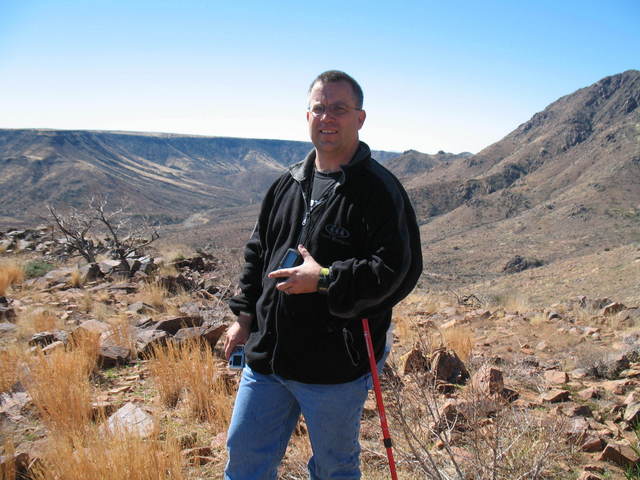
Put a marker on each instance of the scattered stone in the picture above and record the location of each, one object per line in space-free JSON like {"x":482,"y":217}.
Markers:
{"x":588,"y":476}
{"x":52,"y":347}
{"x":172,"y":325}
{"x":593,"y":468}
{"x":90,"y":273}
{"x":556,"y":377}
{"x":553,"y":315}
{"x":592,"y":444}
{"x":488,"y":381}
{"x":589,"y":393}
{"x":576,"y":410}
{"x":447,"y":367}
{"x":612,"y":308}
{"x":146,"y":340}
{"x":132,"y":419}
{"x":541,"y":346}
{"x":6,"y":327}
{"x":110,"y":356}
{"x":43,"y":339}
{"x":519,"y":263}
{"x":555,"y":396}
{"x":13,"y":405}
{"x":7,"y":313}
{"x":621,"y":455}
{"x":414,"y":362}
{"x":611,"y":366}
{"x":91,"y":327}
{"x":140,"y":307}
{"x":632,"y":414}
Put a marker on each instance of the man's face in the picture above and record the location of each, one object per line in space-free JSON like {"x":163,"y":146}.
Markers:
{"x":332,"y":133}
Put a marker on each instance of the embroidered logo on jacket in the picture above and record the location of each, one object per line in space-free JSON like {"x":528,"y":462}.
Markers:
{"x":337,"y":232}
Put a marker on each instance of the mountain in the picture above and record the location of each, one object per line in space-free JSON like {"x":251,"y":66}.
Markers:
{"x":166,"y":176}
{"x":565,"y":184}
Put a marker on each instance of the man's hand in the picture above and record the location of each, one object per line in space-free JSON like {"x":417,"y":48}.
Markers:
{"x":237,"y":334}
{"x":300,"y":279}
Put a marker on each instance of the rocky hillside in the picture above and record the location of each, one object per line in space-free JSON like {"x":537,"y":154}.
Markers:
{"x":564,"y":185}
{"x":166,"y":176}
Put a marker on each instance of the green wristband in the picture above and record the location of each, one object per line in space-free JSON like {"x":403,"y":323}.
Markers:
{"x":324,"y":279}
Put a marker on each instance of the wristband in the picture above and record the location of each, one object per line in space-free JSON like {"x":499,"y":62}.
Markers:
{"x":324,"y":279}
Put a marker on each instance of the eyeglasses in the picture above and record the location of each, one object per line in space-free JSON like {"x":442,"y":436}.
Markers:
{"x":335,"y":110}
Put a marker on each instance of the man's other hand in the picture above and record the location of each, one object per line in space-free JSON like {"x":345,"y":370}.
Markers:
{"x":237,"y":334}
{"x":300,"y":279}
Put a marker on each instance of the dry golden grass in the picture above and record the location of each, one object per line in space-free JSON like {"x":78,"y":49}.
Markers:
{"x":153,"y":294}
{"x":190,"y":367}
{"x":163,"y":366}
{"x":101,"y":311}
{"x":460,"y":340}
{"x":36,"y":320}
{"x":11,"y":360}
{"x":75,"y":280}
{"x":96,"y":454}
{"x":511,"y":302}
{"x":59,"y":385}
{"x":11,"y":273}
{"x":122,"y":332}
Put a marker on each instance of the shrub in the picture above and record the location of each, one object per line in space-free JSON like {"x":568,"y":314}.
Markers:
{"x":37,"y":268}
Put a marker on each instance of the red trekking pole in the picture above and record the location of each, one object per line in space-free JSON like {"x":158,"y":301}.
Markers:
{"x":376,"y":388}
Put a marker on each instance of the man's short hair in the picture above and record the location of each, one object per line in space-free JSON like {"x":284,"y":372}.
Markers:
{"x":331,"y":76}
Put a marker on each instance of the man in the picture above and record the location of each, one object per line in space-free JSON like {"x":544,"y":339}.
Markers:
{"x":359,"y":254}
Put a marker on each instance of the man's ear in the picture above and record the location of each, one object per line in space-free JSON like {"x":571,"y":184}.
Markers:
{"x":362,"y":115}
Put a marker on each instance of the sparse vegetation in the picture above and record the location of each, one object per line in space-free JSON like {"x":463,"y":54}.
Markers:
{"x":37,"y":268}
{"x":60,"y":388}
{"x":11,"y":360}
{"x":11,"y":273}
{"x":99,"y":454}
{"x":191,"y":368}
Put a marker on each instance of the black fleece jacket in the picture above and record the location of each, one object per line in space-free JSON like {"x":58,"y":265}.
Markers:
{"x":365,"y":229}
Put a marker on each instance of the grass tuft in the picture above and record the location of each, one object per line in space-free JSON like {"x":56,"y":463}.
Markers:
{"x":97,"y":454}
{"x":59,"y":385}
{"x":191,"y":368}
{"x":11,"y":273}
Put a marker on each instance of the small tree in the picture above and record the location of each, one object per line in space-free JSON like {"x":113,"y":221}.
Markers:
{"x":123,"y":237}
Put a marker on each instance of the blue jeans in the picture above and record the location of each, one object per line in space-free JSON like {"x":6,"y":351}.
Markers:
{"x":266,"y":411}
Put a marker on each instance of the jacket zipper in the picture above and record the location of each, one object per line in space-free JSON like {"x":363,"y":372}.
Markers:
{"x":308,"y":209}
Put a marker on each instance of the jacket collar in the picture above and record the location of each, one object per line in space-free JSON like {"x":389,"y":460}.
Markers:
{"x":303,"y":170}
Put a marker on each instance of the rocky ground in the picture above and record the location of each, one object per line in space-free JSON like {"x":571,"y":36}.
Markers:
{"x":477,"y":387}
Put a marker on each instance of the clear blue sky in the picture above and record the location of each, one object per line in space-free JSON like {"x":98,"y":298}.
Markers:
{"x":453,"y":76}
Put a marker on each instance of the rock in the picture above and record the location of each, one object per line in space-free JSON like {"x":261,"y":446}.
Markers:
{"x":90,"y":327}
{"x":172,"y":325}
{"x":575,"y":410}
{"x":632,"y":414}
{"x":553,"y":315}
{"x":588,"y":476}
{"x":414,"y":362}
{"x":90,"y":273}
{"x":14,"y":466}
{"x":555,"y":396}
{"x":132,"y":419}
{"x":447,"y":367}
{"x":592,"y":444}
{"x":219,"y":441}
{"x":57,"y":345}
{"x":212,"y":333}
{"x":6,"y":327}
{"x":43,"y":339}
{"x":110,"y":356}
{"x":621,"y":455}
{"x":488,"y":381}
{"x":593,"y":468}
{"x":541,"y":346}
{"x":577,"y":429}
{"x":589,"y":393}
{"x":175,"y":284}
{"x":612,"y":308}
{"x":7,"y":313}
{"x":633,"y":397}
{"x":140,"y":307}
{"x":556,"y":377}
{"x":610,"y":366}
{"x":146,"y":340}
{"x":13,"y":405}
{"x":518,"y":264}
